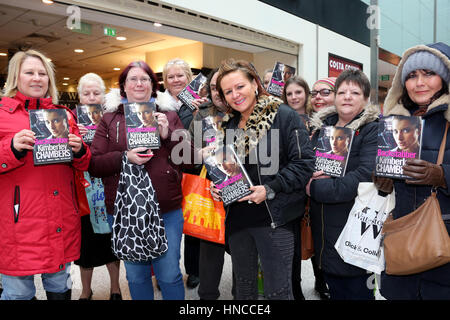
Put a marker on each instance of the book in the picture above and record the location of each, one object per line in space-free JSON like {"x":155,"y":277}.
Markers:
{"x":210,"y":126}
{"x":141,"y":125}
{"x":399,"y":139}
{"x":228,"y":174}
{"x":89,"y":115}
{"x":281,"y":73}
{"x":333,"y":148}
{"x":51,"y":128}
{"x":194,"y":90}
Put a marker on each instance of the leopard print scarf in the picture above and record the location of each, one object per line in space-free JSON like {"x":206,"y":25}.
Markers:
{"x":256,"y":127}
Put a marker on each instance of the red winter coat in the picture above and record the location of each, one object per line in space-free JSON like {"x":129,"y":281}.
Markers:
{"x":46,"y":233}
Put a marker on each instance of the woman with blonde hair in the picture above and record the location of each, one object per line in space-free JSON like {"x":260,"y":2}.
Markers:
{"x":39,"y":218}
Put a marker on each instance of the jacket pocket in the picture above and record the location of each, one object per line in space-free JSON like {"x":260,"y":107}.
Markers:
{"x":16,"y":203}
{"x":74,"y":197}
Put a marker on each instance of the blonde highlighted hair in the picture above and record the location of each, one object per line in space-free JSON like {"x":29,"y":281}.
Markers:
{"x":14,"y":69}
{"x":179,"y":63}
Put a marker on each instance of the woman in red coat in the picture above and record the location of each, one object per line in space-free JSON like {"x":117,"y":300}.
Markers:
{"x":39,"y":218}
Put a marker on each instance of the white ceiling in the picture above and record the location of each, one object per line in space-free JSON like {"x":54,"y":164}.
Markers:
{"x":22,"y":28}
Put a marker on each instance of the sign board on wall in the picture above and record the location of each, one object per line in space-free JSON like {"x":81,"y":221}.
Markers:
{"x":337,"y":64}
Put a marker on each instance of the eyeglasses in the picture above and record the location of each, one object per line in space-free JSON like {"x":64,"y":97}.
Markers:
{"x":134,"y":80}
{"x":323,"y":92}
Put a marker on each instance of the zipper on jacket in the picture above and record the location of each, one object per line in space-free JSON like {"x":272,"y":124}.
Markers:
{"x":16,"y":207}
{"x":323,"y":239}
{"x":298,"y":144}
{"x":273,"y":225}
{"x":117,"y":132}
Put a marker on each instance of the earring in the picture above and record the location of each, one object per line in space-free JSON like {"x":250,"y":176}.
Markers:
{"x":256,"y":92}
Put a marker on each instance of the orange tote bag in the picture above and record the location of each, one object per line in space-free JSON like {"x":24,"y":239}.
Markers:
{"x":204,"y":218}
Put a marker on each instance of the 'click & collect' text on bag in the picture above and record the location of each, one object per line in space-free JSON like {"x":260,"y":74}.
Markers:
{"x":359,"y":243}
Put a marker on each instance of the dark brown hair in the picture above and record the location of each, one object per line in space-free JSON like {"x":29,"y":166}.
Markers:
{"x":144,"y":66}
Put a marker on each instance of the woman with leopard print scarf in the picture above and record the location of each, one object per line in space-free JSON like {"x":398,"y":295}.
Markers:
{"x":261,"y":224}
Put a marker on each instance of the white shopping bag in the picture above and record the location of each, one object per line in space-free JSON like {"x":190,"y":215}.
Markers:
{"x":359,"y":243}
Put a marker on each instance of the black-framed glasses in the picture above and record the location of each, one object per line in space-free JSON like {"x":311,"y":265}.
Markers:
{"x":323,"y":92}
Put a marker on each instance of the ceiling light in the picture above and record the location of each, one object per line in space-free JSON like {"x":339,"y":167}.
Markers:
{"x":121,"y":38}
{"x":47,"y":1}
{"x":66,"y":78}
{"x":2,"y":54}
{"x":65,"y":84}
{"x":79,"y":50}
{"x":157,"y":24}
{"x":117,"y":69}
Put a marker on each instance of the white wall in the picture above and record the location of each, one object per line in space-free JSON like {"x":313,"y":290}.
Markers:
{"x":312,"y":61}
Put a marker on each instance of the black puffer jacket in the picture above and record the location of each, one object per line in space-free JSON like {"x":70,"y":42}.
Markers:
{"x":294,"y":156}
{"x":333,"y":198}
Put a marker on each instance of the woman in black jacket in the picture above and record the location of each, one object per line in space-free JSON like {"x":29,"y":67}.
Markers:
{"x":333,"y":198}
{"x":421,"y":87}
{"x":261,"y":223}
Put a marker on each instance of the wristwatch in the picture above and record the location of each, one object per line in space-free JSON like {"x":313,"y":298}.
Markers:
{"x":270,"y":194}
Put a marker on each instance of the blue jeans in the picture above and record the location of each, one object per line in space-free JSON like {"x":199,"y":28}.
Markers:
{"x":166,"y":267}
{"x":23,"y":288}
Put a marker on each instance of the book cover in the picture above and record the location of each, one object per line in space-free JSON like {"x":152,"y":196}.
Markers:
{"x":141,"y":125}
{"x":333,"y":148}
{"x":51,"y":128}
{"x":194,"y":90}
{"x":281,"y":73}
{"x":399,"y":139}
{"x":89,"y":115}
{"x":210,"y":126}
{"x":228,"y":174}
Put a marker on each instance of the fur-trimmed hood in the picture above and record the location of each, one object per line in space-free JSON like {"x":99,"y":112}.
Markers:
{"x":369,"y":114}
{"x":164,"y":101}
{"x":392,"y":105}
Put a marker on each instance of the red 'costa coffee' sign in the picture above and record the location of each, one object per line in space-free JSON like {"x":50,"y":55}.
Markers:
{"x":337,"y":64}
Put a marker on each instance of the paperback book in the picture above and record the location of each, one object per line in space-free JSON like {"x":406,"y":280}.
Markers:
{"x":399,"y":139}
{"x":51,"y":128}
{"x":228,"y":174}
{"x":141,"y":125}
{"x":281,"y":73}
{"x":210,"y":127}
{"x":89,"y":115}
{"x":333,"y":148}
{"x":194,"y":90}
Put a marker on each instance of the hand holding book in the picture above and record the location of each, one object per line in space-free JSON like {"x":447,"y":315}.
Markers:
{"x":424,"y":173}
{"x":137,"y":156}
{"x":163,"y":124}
{"x":24,"y":140}
{"x":257,"y":196}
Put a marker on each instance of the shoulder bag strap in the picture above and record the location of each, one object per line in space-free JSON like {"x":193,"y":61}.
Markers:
{"x":442,"y":148}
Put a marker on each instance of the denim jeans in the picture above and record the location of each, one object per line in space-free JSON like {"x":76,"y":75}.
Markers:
{"x":275,"y":248}
{"x":166,"y":267}
{"x":23,"y":288}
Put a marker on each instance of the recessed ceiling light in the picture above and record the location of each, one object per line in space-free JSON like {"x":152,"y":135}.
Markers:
{"x":79,"y":50}
{"x":47,"y":1}
{"x":65,"y":84}
{"x":157,"y":24}
{"x":66,"y":78}
{"x":3,"y":54}
{"x":121,"y":38}
{"x":117,"y":69}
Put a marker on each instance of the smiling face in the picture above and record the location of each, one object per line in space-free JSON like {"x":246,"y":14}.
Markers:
{"x":296,"y":97}
{"x":406,"y":135}
{"x":422,"y":85}
{"x":56,"y":124}
{"x":339,"y":142}
{"x":350,"y":100}
{"x":176,"y":80}
{"x":33,"y":79}
{"x":239,"y":92}
{"x":321,"y":100}
{"x":145,"y":114}
{"x":138,"y":86}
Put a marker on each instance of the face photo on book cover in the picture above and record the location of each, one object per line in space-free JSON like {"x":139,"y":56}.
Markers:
{"x":146,"y":117}
{"x":94,"y":113}
{"x":406,"y":133}
{"x":339,"y":139}
{"x":226,"y":162}
{"x":56,"y":122}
